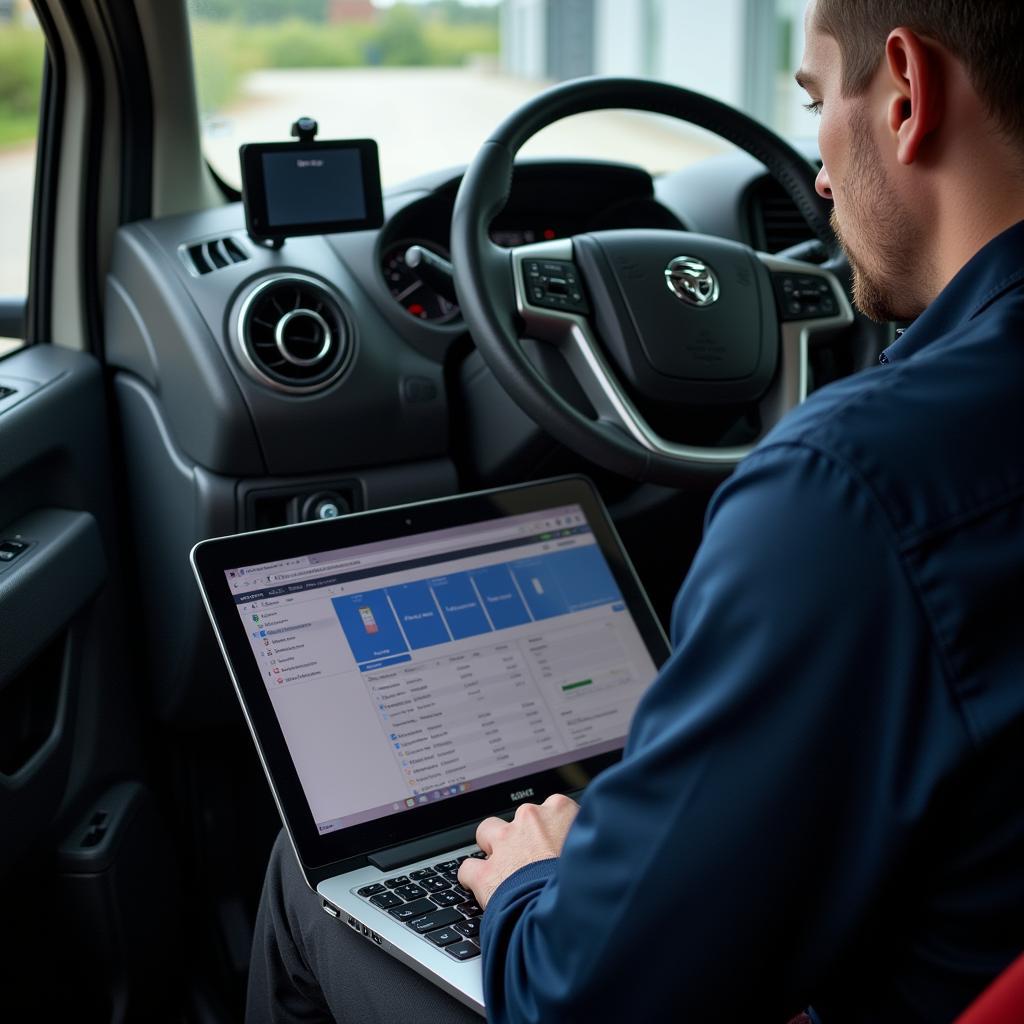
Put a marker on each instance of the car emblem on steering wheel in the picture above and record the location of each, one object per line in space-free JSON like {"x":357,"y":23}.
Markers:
{"x":692,"y":281}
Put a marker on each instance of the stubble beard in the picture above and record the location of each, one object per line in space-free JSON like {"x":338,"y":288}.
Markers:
{"x":885,"y":258}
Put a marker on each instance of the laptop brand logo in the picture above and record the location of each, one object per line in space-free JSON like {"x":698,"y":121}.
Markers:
{"x":522,"y":794}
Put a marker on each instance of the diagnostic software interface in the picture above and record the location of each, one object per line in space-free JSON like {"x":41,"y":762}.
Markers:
{"x":408,"y":671}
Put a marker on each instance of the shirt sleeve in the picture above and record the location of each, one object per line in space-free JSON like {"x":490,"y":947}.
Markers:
{"x":771,"y":780}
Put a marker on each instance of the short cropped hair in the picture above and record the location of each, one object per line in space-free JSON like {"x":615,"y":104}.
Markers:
{"x":986,"y":36}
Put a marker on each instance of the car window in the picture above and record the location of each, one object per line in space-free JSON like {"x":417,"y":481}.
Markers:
{"x":21,"y":74}
{"x":430,"y":80}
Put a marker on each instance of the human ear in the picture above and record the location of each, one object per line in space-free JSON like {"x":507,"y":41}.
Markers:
{"x":915,"y":105}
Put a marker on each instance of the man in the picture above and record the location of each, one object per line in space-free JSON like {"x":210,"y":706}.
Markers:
{"x":820,"y":802}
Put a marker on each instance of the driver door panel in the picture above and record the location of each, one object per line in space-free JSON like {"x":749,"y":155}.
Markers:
{"x":54,"y":502}
{"x":80,"y":827}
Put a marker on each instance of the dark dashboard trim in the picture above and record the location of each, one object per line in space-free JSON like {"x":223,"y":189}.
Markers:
{"x":93,"y":127}
{"x":135,"y":93}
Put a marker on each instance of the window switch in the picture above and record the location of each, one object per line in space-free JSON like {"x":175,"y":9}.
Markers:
{"x":10,"y":549}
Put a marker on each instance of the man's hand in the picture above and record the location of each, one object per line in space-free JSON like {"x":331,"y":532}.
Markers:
{"x":536,"y":833}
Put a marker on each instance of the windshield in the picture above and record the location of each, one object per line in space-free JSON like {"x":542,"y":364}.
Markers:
{"x":430,"y":80}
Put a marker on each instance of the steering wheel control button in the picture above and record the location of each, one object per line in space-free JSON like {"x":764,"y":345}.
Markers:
{"x":804,"y":297}
{"x":554,"y":284}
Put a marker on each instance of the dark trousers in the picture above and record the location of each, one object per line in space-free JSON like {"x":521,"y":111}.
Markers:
{"x":306,"y":966}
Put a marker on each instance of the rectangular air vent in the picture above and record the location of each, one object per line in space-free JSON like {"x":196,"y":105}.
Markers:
{"x":776,"y":223}
{"x":204,"y":257}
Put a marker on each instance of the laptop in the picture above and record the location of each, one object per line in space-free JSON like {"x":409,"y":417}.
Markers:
{"x":410,"y":671}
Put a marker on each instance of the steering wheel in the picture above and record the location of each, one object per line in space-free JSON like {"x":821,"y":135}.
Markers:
{"x":643,"y":317}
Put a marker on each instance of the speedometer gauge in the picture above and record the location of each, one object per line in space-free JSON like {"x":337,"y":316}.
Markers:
{"x":410,"y":291}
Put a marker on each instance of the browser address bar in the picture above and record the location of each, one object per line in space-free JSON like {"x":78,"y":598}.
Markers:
{"x":317,"y":570}
{"x":392,"y":556}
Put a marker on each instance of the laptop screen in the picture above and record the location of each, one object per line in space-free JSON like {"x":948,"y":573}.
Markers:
{"x":409,"y":671}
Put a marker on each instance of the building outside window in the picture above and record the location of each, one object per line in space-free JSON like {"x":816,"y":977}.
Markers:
{"x":742,"y":52}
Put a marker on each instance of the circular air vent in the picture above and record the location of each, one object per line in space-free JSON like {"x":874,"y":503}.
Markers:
{"x":293,"y":334}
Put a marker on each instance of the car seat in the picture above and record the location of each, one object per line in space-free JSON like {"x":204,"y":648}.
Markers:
{"x":1002,"y":1002}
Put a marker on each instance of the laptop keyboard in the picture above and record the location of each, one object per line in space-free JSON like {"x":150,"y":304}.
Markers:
{"x":431,"y":903}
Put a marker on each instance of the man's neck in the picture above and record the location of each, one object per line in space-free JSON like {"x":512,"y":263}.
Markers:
{"x":972,"y":211}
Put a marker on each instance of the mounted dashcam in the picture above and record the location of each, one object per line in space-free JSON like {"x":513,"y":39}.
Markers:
{"x":308,"y":187}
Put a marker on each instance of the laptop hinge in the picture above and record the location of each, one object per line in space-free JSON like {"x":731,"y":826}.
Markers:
{"x":409,"y":853}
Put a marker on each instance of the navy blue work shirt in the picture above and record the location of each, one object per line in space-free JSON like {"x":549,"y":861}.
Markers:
{"x":821,"y":799}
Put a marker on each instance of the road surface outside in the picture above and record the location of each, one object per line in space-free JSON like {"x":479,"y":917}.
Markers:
{"x":422,"y":118}
{"x":429,"y":118}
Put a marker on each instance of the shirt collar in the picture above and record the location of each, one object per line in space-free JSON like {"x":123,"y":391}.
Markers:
{"x":993,"y":270}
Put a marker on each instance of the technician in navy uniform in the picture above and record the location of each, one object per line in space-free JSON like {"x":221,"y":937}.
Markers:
{"x":820,"y":802}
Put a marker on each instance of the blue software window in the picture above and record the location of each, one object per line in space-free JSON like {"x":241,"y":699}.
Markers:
{"x":500,"y":596}
{"x":369,"y":624}
{"x":418,"y":614}
{"x":584,"y":578}
{"x":460,"y":606}
{"x":538,"y":581}
{"x":565,"y":581}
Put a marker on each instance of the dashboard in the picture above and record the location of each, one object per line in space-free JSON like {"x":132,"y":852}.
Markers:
{"x":256,"y":387}
{"x":549,"y":201}
{"x":266,"y":362}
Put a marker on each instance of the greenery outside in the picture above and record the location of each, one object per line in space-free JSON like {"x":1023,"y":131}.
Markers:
{"x":21,"y":77}
{"x":232,"y":38}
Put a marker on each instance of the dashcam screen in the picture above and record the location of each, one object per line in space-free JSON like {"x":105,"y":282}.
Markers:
{"x":314,"y":186}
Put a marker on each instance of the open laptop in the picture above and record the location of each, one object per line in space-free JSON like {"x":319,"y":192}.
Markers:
{"x":410,"y":671}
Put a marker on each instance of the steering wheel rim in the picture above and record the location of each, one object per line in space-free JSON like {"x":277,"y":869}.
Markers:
{"x":491,"y":298}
